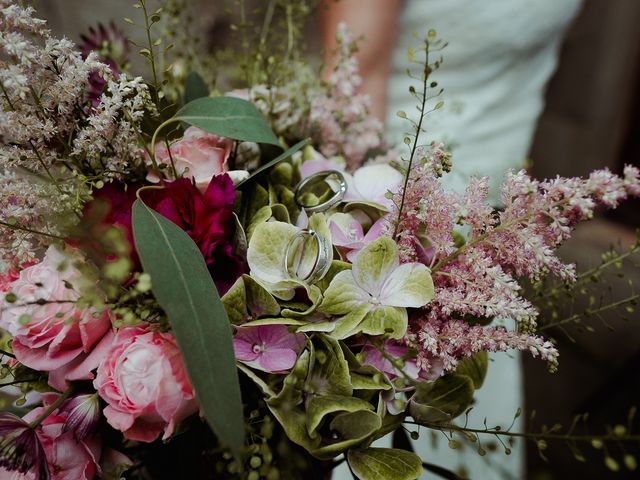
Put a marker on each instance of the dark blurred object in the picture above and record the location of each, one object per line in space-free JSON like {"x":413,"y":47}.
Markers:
{"x":592,"y":119}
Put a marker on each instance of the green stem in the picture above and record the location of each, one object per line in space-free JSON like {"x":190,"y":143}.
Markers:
{"x":585,"y":277}
{"x":578,"y":316}
{"x":425,"y":78}
{"x":151,"y":55}
{"x":52,"y":408}
{"x":15,"y":382}
{"x":531,"y":436}
{"x":29,"y":230}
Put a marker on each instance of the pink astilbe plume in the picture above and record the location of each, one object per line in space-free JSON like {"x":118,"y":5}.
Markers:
{"x":449,"y":341}
{"x":479,"y":279}
{"x":341,"y":120}
{"x":424,"y":231}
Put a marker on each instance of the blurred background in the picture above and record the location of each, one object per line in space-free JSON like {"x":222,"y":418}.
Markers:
{"x":591,"y":120}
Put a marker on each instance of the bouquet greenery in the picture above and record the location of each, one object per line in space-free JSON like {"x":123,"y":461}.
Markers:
{"x":249,"y":283}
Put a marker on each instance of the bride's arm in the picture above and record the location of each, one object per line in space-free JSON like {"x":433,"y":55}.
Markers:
{"x":375,"y":20}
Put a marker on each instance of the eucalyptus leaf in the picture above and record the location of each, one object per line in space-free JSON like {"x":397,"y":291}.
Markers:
{"x":384,"y":464}
{"x":228,"y":117}
{"x":185,"y":290}
{"x":283,"y":156}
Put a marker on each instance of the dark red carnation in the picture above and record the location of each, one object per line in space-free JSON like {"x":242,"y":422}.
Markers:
{"x":206,"y":217}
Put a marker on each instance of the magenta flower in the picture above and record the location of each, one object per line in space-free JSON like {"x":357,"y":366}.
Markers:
{"x":83,"y":414}
{"x":206,"y":217}
{"x":270,"y":348}
{"x":20,"y":448}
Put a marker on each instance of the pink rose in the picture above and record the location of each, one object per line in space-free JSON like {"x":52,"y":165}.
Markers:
{"x":144,"y":383}
{"x":198,"y":155}
{"x":57,"y":336}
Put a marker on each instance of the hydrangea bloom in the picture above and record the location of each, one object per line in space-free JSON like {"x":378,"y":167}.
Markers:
{"x":270,"y":348}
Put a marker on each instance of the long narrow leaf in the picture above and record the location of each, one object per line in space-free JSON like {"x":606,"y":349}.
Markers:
{"x":283,"y":156}
{"x":183,"y":286}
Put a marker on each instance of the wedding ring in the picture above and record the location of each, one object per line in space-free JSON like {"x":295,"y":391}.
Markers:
{"x":334,"y":179}
{"x":308,"y":256}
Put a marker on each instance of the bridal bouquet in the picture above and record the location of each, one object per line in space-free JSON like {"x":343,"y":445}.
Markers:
{"x":209,"y":284}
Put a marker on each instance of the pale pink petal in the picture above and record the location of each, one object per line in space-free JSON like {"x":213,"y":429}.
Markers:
{"x":277,"y":360}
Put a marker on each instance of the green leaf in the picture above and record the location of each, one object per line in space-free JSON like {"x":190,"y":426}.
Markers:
{"x":194,"y":88}
{"x":475,"y":368}
{"x":384,"y":463}
{"x":322,"y":405}
{"x":442,"y":400}
{"x":228,"y":117}
{"x":184,"y":288}
{"x":283,"y":156}
{"x":351,"y":429}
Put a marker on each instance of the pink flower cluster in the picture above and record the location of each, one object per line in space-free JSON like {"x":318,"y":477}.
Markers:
{"x":478,"y":279}
{"x":54,"y":448}
{"x":140,"y":373}
{"x":443,"y":343}
{"x":340,"y":120}
{"x":57,"y":336}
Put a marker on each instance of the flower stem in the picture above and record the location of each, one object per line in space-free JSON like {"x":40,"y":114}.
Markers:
{"x":52,"y":408}
{"x":414,"y":147}
{"x":532,"y":436}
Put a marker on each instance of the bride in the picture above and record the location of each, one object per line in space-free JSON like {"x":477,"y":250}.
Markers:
{"x":500,"y":56}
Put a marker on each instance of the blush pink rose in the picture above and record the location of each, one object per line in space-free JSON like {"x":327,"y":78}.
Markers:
{"x":198,"y":155}
{"x":145,"y":385}
{"x":57,"y":336}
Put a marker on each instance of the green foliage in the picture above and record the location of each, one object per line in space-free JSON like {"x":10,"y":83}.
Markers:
{"x":283,"y":156}
{"x":184,"y":288}
{"x":384,"y":463}
{"x":475,"y":368}
{"x":225,"y":116}
{"x":442,"y":400}
{"x":317,"y":398}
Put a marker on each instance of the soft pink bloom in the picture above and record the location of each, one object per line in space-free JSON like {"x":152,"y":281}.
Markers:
{"x":371,"y":183}
{"x":318,"y":163}
{"x":68,"y":456}
{"x":198,"y":155}
{"x":373,"y":356}
{"x":143,"y":380}
{"x":342,"y":123}
{"x":57,"y":336}
{"x":374,"y":183}
{"x":348,"y":235}
{"x":271,"y":348}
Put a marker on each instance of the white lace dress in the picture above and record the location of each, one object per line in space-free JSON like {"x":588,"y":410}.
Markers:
{"x":501,"y":54}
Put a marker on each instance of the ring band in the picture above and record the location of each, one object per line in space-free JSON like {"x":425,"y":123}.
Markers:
{"x":317,"y":177}
{"x":321,"y":263}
